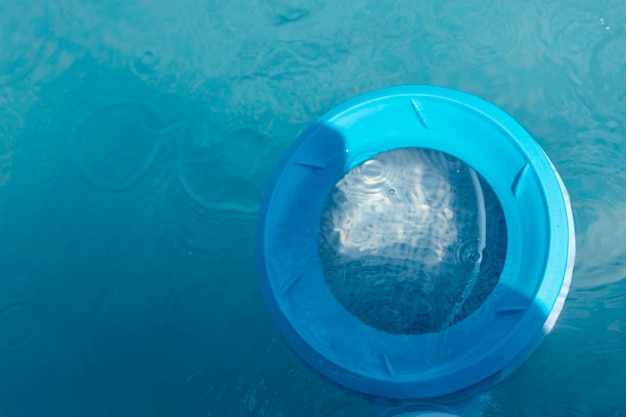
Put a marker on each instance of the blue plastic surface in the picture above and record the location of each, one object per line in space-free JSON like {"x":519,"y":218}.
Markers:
{"x":509,"y":323}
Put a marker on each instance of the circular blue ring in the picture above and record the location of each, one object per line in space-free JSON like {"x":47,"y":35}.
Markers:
{"x":480,"y":349}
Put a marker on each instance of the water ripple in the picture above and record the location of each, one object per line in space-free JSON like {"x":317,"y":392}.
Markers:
{"x":283,"y":12}
{"x":8,"y":130}
{"x":490,"y":34}
{"x":107,"y":159}
{"x":600,"y":257}
{"x":19,"y":328}
{"x":442,"y":53}
{"x":218,"y":169}
{"x":494,"y":37}
{"x":597,"y":174}
{"x":16,"y":289}
{"x":607,"y":69}
{"x":198,"y":385}
{"x":282,"y":60}
{"x":586,"y":347}
{"x":403,"y":21}
{"x":284,"y":393}
{"x":24,"y":34}
{"x":403,"y":253}
{"x":146,"y":59}
{"x":414,"y":185}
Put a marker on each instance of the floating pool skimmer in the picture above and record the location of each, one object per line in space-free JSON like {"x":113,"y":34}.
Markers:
{"x":415,"y":245}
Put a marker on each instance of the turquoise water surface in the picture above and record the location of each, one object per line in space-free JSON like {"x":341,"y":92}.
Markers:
{"x":136,"y":139}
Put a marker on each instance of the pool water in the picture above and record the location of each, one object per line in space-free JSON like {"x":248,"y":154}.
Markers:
{"x":412,"y":241}
{"x":136,"y":139}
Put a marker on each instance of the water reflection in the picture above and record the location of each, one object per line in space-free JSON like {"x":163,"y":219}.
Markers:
{"x":412,"y":241}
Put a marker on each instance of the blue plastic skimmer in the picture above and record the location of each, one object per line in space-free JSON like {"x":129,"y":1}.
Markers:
{"x":415,"y":243}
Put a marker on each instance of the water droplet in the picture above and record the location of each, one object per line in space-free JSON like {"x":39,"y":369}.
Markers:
{"x":146,"y":62}
{"x":474,"y":257}
{"x":392,"y":191}
{"x":608,"y":28}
